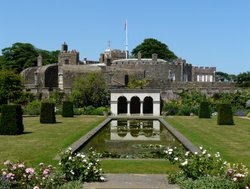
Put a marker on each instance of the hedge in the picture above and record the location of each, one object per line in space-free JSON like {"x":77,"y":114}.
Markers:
{"x":67,"y":109}
{"x":11,"y":121}
{"x":225,"y":114}
{"x":47,"y":114}
{"x":204,"y":111}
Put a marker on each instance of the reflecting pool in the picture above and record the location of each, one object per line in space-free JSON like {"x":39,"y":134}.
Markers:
{"x":132,"y":138}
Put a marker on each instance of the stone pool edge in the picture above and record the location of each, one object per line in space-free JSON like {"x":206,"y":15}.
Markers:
{"x":187,"y":143}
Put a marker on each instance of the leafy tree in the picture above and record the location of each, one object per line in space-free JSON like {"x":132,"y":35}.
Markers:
{"x":10,"y":86}
{"x":23,"y":55}
{"x":137,"y":83}
{"x":90,"y":90}
{"x":243,"y":79}
{"x":225,"y":77}
{"x":150,"y":46}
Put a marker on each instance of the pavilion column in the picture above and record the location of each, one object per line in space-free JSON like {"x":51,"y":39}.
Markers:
{"x":141,"y":108}
{"x":128,"y":108}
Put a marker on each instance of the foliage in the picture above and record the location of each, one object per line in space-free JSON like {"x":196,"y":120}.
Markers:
{"x":243,"y":79}
{"x":225,"y":115}
{"x":11,"y":122}
{"x":56,"y":97}
{"x":78,"y":166}
{"x":23,"y":55}
{"x":90,"y":90}
{"x":211,"y":182}
{"x":150,"y":46}
{"x":206,"y":170}
{"x":47,"y":114}
{"x":204,"y":111}
{"x":67,"y":109}
{"x":224,"y":77}
{"x":10,"y":86}
{"x":137,"y":83}
{"x":33,"y":108}
{"x":248,"y":103}
{"x":248,"y":115}
{"x":22,"y":177}
{"x":171,"y":107}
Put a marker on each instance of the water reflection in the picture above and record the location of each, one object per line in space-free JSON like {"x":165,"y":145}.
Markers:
{"x":135,"y":130}
{"x":127,"y":137}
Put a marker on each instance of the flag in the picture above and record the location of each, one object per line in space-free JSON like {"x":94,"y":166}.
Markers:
{"x":126,"y":25}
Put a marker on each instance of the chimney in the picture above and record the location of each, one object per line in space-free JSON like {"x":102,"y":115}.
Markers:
{"x":139,"y":56}
{"x":154,"y":57}
{"x":39,"y":60}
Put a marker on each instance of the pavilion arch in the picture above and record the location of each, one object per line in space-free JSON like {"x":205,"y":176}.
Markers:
{"x":122,"y":107}
{"x":135,"y":101}
{"x":148,"y":105}
{"x":135,"y":105}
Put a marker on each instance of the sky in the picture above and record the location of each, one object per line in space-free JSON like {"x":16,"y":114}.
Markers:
{"x":209,"y":33}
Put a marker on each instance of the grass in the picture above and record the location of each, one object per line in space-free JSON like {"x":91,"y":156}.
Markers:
{"x":233,"y":142}
{"x":42,"y":142}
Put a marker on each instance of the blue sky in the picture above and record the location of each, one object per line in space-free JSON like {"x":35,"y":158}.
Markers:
{"x":204,"y":32}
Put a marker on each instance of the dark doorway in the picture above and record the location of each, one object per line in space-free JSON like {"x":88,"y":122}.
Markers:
{"x":148,"y":105}
{"x":135,"y":105}
{"x":122,"y":105}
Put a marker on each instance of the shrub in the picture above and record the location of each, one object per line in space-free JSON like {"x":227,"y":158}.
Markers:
{"x":206,"y":170}
{"x":67,"y":109}
{"x":47,"y":113}
{"x":78,"y":111}
{"x":11,"y":122}
{"x":33,"y":108}
{"x":225,"y":115}
{"x":79,"y":166}
{"x":204,"y":111}
{"x":17,"y":175}
{"x":171,"y":107}
{"x":248,"y":115}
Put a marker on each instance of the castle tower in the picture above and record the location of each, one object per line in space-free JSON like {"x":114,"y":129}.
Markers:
{"x":64,"y":47}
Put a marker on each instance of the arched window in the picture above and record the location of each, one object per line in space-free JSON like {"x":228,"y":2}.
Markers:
{"x":122,"y":105}
{"x":148,"y":105}
{"x":135,"y":105}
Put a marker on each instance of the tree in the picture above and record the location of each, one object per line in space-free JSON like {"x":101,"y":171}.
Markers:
{"x":243,"y":79}
{"x":150,"y":46}
{"x":137,"y":83}
{"x":90,"y":90}
{"x":10,"y":86}
{"x":23,"y":55}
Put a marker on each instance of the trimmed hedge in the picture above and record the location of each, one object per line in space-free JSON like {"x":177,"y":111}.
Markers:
{"x":47,"y":114}
{"x":204,"y":111}
{"x":67,"y":109}
{"x":225,"y":114}
{"x":11,"y":121}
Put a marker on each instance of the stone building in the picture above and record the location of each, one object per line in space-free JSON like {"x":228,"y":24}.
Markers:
{"x":161,"y":74}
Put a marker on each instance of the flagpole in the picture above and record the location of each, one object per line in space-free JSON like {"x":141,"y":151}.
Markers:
{"x":126,"y":33}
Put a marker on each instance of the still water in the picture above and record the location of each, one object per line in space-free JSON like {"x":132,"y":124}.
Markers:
{"x":132,"y":138}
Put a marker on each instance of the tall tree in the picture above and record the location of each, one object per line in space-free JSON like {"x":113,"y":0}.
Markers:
{"x":243,"y":79}
{"x":10,"y":86}
{"x":90,"y":90}
{"x":23,"y":55}
{"x":150,"y":46}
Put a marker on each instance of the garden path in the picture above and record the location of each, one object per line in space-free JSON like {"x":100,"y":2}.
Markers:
{"x":132,"y":181}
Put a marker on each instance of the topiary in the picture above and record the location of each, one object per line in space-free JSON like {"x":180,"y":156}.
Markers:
{"x":47,"y":114}
{"x":11,"y":121}
{"x":67,"y":109}
{"x":204,"y":111}
{"x":225,"y":114}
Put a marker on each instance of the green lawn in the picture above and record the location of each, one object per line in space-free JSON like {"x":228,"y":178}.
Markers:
{"x":42,"y":142}
{"x":233,"y":142}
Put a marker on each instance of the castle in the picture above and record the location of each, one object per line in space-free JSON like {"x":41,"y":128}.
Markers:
{"x":118,"y":70}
